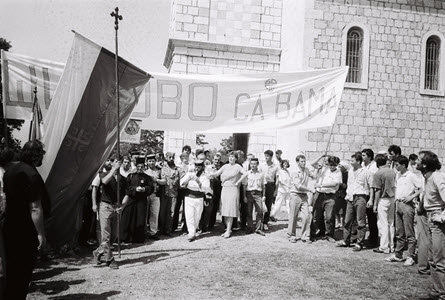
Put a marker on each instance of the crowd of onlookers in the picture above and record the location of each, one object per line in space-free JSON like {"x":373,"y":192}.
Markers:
{"x":387,"y":202}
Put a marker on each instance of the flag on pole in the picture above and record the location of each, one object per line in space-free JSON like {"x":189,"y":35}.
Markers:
{"x":81,"y":128}
{"x":35,"y":131}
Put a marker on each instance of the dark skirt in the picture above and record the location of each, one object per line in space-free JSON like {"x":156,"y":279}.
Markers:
{"x":133,"y":221}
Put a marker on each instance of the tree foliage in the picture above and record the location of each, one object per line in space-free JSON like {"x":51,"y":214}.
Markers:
{"x":200,"y":139}
{"x":152,"y":141}
{"x":227,"y":144}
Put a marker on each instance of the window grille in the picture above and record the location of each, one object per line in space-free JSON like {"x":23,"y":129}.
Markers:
{"x":354,"y":55}
{"x":432,"y":64}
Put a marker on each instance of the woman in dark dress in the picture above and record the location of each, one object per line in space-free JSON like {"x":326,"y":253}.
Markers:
{"x":133,"y":223}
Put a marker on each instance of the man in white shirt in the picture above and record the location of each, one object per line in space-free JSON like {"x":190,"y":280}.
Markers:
{"x":255,"y":195}
{"x":408,"y":188}
{"x":357,"y":195}
{"x":299,"y":203}
{"x":370,"y":164}
{"x":326,"y":186}
{"x":198,"y":188}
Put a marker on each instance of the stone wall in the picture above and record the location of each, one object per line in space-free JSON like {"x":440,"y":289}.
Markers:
{"x":391,"y":110}
{"x":236,"y":22}
{"x":224,"y":37}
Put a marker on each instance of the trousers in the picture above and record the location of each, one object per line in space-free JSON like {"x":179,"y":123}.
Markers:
{"x":299,"y":206}
{"x":385,"y":223}
{"x":193,"y":209}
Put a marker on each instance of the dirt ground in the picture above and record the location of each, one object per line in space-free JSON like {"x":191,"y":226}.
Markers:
{"x":241,"y":267}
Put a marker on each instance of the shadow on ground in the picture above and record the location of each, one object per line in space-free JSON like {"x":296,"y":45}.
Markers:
{"x":53,"y":287}
{"x":102,"y":296}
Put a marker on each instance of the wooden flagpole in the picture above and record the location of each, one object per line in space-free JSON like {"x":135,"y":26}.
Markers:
{"x":117,"y":17}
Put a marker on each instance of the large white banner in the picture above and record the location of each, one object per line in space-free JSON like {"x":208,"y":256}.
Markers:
{"x":21,"y":74}
{"x":241,"y":103}
{"x":199,"y":103}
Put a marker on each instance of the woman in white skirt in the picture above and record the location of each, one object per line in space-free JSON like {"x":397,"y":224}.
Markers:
{"x":230,"y":181}
{"x":283,"y":184}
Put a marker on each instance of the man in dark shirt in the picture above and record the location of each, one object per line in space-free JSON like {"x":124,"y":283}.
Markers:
{"x":108,"y":211}
{"x":26,"y":202}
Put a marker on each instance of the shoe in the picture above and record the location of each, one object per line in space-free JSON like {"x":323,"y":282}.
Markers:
{"x":293,"y":239}
{"x":260,"y":232}
{"x":394,"y":258}
{"x":191,"y":238}
{"x":331,"y":239}
{"x":409,"y":261}
{"x":273,"y":219}
{"x":343,"y":244}
{"x":357,"y":248}
{"x":235,"y":229}
{"x":154,"y":237}
{"x":265,"y":227}
{"x":307,"y":241}
{"x":112,"y":264}
{"x":96,"y":258}
{"x":378,"y":250}
{"x":226,"y":235}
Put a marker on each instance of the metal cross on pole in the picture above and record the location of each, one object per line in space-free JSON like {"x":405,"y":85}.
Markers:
{"x":117,"y":17}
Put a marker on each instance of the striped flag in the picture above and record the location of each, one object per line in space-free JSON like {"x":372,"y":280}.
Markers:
{"x":35,"y":132}
{"x":81,"y":128}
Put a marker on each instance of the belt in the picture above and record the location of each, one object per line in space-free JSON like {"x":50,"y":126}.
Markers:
{"x":194,"y":194}
{"x":361,"y":195}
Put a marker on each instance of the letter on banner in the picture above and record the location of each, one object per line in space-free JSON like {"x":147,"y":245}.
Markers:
{"x":286,"y":102}
{"x":192,"y":87}
{"x":162,"y":99}
{"x":236,"y":106}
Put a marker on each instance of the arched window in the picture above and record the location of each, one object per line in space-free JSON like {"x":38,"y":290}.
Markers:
{"x":354,"y":54}
{"x":432,"y":62}
{"x":432,"y":70}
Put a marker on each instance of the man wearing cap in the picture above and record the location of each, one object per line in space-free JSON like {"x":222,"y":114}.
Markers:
{"x":134,"y":211}
{"x":154,"y":200}
{"x":197,"y":186}
{"x":255,"y":196}
{"x":171,"y":176}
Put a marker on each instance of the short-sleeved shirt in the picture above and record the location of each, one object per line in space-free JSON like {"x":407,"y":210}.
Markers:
{"x":359,"y":183}
{"x":385,"y":180}
{"x":407,"y":184}
{"x":255,"y":181}
{"x":331,"y":179}
{"x":109,"y":190}
{"x":270,"y":172}
{"x":230,"y":174}
{"x":22,"y":186}
{"x":434,"y":194}
{"x":300,"y":178}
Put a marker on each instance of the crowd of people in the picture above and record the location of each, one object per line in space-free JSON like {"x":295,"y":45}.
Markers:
{"x":387,"y":202}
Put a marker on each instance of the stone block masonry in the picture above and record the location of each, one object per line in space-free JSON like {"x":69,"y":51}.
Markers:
{"x":391,"y":110}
